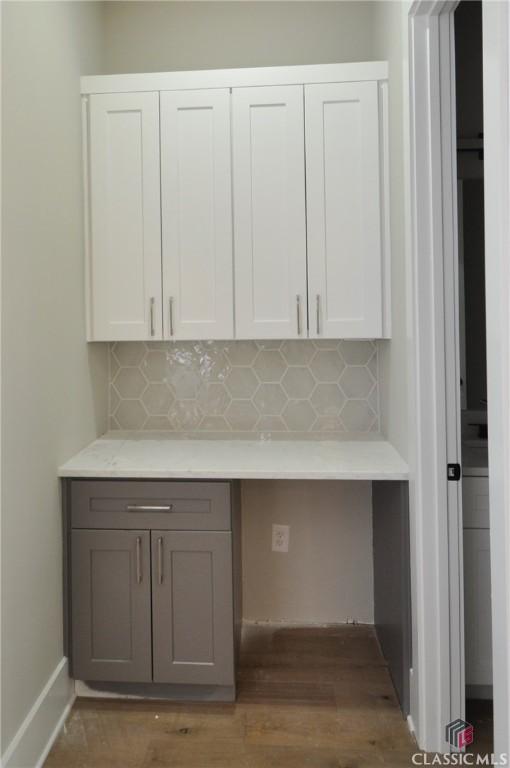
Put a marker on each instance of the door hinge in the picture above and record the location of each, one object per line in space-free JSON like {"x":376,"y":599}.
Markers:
{"x":454,"y":472}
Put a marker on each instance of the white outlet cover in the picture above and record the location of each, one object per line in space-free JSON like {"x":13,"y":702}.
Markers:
{"x":281,"y":535}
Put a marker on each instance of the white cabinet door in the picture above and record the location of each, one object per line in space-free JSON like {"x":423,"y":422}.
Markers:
{"x":344,"y":222}
{"x":477,"y":606}
{"x":197,"y":214}
{"x":125,"y":219}
{"x":269,"y":212}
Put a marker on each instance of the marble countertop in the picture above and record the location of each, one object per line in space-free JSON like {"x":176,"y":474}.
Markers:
{"x":159,"y":456}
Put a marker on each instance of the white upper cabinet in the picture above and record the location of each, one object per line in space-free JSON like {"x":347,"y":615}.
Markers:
{"x":248,"y":204}
{"x":269,"y":212}
{"x":344,"y":210}
{"x":196,"y":214}
{"x":124,"y":228}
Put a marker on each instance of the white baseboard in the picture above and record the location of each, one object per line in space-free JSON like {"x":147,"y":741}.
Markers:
{"x":34,"y":739}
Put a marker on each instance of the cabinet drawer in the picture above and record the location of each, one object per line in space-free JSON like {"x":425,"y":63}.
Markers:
{"x":143,"y":504}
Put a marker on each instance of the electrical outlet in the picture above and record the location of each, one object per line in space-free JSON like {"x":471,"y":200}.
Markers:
{"x":281,"y":535}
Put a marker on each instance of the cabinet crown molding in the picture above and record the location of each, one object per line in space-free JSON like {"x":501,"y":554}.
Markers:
{"x":235,"y":78}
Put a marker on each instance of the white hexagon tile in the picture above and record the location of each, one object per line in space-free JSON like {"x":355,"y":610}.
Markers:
{"x":248,"y":388}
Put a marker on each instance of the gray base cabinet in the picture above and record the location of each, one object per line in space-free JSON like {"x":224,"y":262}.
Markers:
{"x":153,"y":575}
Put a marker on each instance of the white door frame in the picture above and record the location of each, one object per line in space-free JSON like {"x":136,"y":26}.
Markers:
{"x":437,"y":682}
{"x":437,"y":679}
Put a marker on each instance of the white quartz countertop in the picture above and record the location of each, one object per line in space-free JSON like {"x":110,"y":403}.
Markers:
{"x":163,"y":457}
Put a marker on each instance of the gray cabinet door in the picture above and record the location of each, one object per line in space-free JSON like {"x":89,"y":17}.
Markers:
{"x":192,"y":608}
{"x":111,"y":605}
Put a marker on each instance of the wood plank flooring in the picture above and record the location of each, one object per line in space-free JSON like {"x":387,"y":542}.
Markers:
{"x":307,"y":698}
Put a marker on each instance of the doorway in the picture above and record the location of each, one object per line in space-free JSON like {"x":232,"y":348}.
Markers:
{"x":472,"y":355}
{"x":438,"y":691}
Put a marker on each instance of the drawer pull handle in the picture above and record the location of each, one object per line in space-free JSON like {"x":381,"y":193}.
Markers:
{"x":160,"y":560}
{"x":138,"y":560}
{"x":150,"y":508}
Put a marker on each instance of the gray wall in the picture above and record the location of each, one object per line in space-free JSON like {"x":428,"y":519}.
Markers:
{"x":160,"y":36}
{"x":327,"y":575}
{"x":53,"y":384}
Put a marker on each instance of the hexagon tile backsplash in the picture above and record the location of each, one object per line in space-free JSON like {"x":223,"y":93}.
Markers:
{"x":254,"y":388}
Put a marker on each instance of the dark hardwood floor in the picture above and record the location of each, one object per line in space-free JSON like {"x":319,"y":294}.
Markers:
{"x":307,"y":698}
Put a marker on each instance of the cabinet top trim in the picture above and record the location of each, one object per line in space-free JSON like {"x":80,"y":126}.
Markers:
{"x":235,"y":78}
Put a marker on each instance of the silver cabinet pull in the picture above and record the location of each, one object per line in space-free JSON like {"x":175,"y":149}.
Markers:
{"x":318,"y":313}
{"x":298,"y":313}
{"x":153,"y":303}
{"x":138,"y":560}
{"x":171,"y":314}
{"x":160,"y":560}
{"x":150,"y":508}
